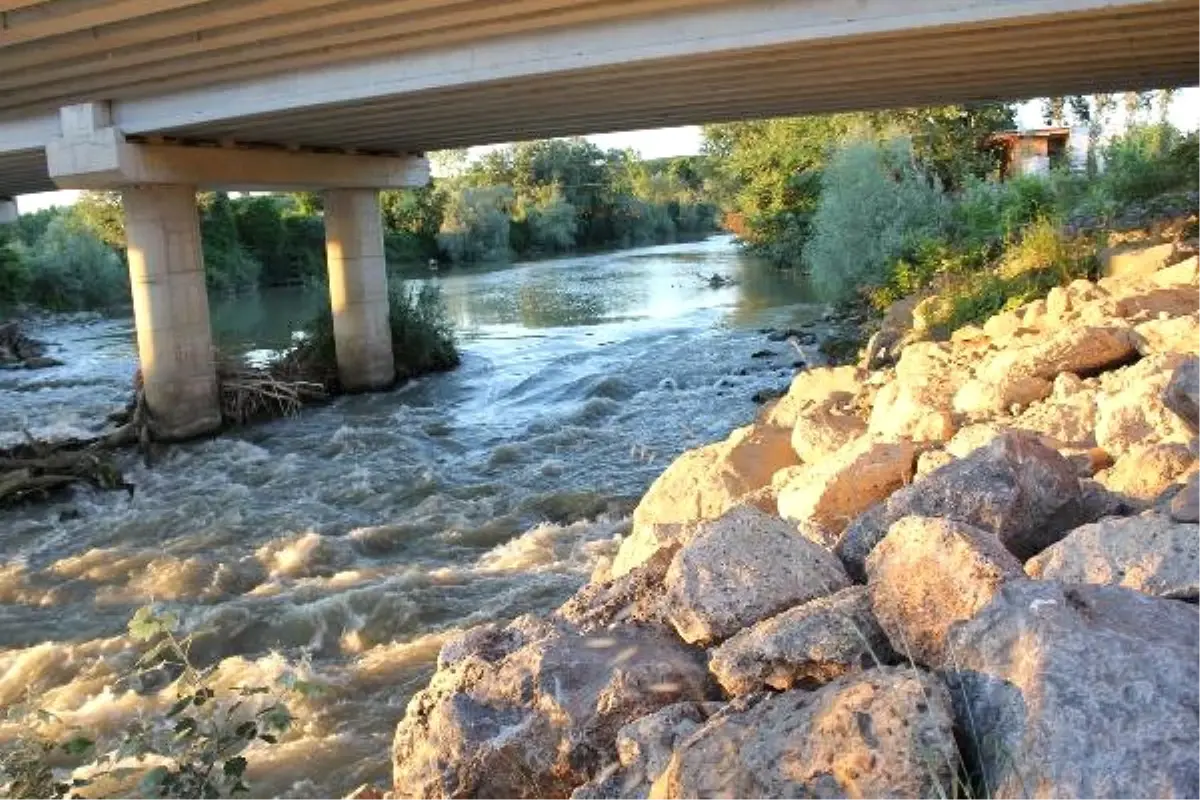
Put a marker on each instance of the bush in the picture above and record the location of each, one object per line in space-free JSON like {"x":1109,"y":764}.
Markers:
{"x":1148,"y":161}
{"x":422,"y":338}
{"x":70,"y":269}
{"x":475,"y":227}
{"x":876,"y":204}
{"x":14,"y":273}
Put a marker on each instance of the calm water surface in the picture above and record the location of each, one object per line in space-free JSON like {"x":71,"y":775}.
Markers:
{"x":345,"y":544}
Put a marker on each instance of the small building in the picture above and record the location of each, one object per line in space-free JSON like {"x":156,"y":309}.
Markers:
{"x":1036,"y":152}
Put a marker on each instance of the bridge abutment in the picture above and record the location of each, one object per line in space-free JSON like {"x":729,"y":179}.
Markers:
{"x":170,"y":306}
{"x":358,"y":290}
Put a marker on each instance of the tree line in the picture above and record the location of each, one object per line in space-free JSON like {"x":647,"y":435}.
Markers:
{"x":526,"y":200}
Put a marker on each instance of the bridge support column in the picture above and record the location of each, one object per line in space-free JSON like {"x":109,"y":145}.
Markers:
{"x":358,"y":290}
{"x":170,"y":306}
{"x":8,"y":211}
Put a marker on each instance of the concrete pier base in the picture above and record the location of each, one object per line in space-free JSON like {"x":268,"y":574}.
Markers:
{"x":170,"y":306}
{"x":358,"y":289}
{"x":8,"y":211}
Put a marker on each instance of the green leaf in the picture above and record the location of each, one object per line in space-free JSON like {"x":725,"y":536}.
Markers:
{"x":235,"y":766}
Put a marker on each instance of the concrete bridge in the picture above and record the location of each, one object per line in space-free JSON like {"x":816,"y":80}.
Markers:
{"x":156,"y":98}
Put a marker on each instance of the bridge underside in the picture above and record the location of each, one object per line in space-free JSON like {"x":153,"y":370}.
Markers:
{"x":640,"y":73}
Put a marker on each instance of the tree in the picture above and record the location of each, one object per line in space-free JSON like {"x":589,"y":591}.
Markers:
{"x":100,"y":212}
{"x":227,"y":265}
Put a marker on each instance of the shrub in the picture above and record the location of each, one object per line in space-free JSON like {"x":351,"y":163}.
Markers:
{"x":422,"y":338}
{"x":876,"y":204}
{"x":1148,"y":161}
{"x":475,"y":226}
{"x":14,"y":273}
{"x":70,"y":269}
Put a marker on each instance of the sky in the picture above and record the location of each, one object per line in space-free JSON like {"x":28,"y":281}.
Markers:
{"x":662,"y":142}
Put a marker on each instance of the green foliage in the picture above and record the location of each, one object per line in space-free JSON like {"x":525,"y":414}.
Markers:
{"x":100,"y":212}
{"x":876,"y":205}
{"x":197,"y":748}
{"x":14,"y":272}
{"x":475,"y":228}
{"x":69,"y":269}
{"x":422,"y":336}
{"x":228,"y":265}
{"x":1149,"y":160}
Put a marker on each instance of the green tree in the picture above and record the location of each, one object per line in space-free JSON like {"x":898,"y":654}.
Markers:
{"x":228,"y":267}
{"x":100,"y":212}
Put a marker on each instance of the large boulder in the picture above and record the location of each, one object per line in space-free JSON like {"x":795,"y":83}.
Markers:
{"x":1015,"y":487}
{"x":1170,"y":335}
{"x":533,"y":709}
{"x":883,"y":733}
{"x":1078,"y":691}
{"x":1145,"y":471}
{"x":984,"y":398}
{"x":1185,"y":505}
{"x":1182,"y":393}
{"x":928,"y":574}
{"x":1135,"y":259}
{"x":841,"y":487}
{"x":743,"y":568}
{"x":703,"y":484}
{"x":644,"y":749}
{"x":912,"y":410}
{"x":1175,"y":301}
{"x":804,"y":647}
{"x":1069,"y":421}
{"x":1150,"y":553}
{"x":824,"y":428}
{"x":1130,"y":410}
{"x":812,"y":387}
{"x":1079,"y":350}
{"x":635,"y":597}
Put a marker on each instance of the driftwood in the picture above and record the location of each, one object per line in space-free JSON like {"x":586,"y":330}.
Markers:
{"x":33,"y":469}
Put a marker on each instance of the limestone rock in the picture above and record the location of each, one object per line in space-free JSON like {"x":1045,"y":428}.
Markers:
{"x":1136,"y":259}
{"x":1079,"y":350}
{"x":1185,"y":273}
{"x":805,"y":646}
{"x":1150,"y":553}
{"x":703,"y":484}
{"x":981,"y":398}
{"x":1182,"y":394}
{"x":844,"y":485}
{"x":813,"y":386}
{"x":1144,"y":471}
{"x":1171,"y":301}
{"x":1185,"y":505}
{"x":824,"y":428}
{"x":929,"y":573}
{"x":644,"y":749}
{"x":532,"y":710}
{"x":635,"y":597}
{"x":743,"y":568}
{"x":1015,"y":487}
{"x":1171,"y":335}
{"x":882,"y":733}
{"x":1130,"y":411}
{"x":932,"y":460}
{"x":1079,"y":691}
{"x":905,"y":409}
{"x":1069,"y":421}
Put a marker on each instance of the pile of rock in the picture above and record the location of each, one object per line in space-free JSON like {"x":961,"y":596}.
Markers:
{"x":975,"y":572}
{"x":18,"y":351}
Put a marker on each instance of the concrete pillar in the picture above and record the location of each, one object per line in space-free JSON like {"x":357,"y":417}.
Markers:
{"x":170,"y":306}
{"x":358,"y":291}
{"x":8,"y":211}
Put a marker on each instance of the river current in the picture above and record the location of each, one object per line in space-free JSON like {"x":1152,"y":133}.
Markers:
{"x":345,"y":544}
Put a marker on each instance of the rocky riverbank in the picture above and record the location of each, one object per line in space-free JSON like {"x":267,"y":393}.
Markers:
{"x":974,"y":572}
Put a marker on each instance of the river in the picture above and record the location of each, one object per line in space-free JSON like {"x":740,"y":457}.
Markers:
{"x":343,"y":545}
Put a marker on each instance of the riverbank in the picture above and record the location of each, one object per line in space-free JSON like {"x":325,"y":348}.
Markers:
{"x":973,"y":572}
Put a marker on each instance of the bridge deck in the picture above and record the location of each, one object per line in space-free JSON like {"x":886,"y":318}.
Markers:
{"x":418,"y":75}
